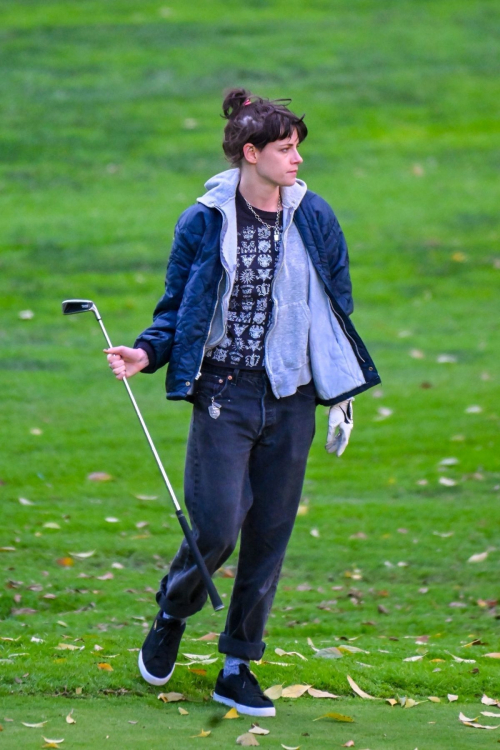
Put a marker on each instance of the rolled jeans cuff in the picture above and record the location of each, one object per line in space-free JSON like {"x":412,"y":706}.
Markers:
{"x":241,"y":649}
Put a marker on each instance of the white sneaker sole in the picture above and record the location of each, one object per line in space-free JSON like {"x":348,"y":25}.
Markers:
{"x":151,"y":678}
{"x":244,"y":709}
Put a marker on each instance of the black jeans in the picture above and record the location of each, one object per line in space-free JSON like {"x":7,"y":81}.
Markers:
{"x":244,"y":472}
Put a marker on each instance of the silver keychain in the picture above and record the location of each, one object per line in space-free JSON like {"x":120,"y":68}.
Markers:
{"x":214,"y":409}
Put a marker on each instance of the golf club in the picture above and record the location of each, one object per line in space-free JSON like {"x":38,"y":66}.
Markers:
{"x":75,"y":306}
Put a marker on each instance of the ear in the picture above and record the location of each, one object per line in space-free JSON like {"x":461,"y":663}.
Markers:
{"x":250,"y":153}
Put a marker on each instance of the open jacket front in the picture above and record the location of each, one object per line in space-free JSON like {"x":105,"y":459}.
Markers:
{"x":311,"y":333}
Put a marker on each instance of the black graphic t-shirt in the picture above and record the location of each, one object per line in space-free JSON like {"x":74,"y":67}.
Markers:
{"x":250,"y":306}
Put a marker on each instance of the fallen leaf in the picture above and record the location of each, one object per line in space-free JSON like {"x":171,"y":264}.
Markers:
{"x":433,"y":699}
{"x":479,"y":557}
{"x":489,"y":701}
{"x":36,"y":431}
{"x":26,"y":314}
{"x":474,"y":410}
{"x":247,"y":740}
{"x":52,"y":743}
{"x":447,"y":482}
{"x":182,"y":711}
{"x":314,"y":533}
{"x":105,"y":666}
{"x":201,"y":672}
{"x":199,"y":657}
{"x":232,"y":714}
{"x":349,"y":744}
{"x":99,"y":476}
{"x":493,"y":655}
{"x":410,"y":703}
{"x":70,"y":719}
{"x":345,"y":649}
{"x":7,"y":549}
{"x":391,"y":701}
{"x":203,"y":733}
{"x":65,"y":562}
{"x":171,"y":697}
{"x":209,"y":637}
{"x":280,"y":652}
{"x":255,"y":729}
{"x":112,"y":519}
{"x":490,"y":713}
{"x":25,"y":501}
{"x":51,"y":525}
{"x":416,"y":354}
{"x":106,"y":576}
{"x":320,"y":693}
{"x":67,"y":647}
{"x":329,"y":653}
{"x":295,"y":691}
{"x":358,"y":690}
{"x":452,"y":697}
{"x":335,"y":717}
{"x":35,"y":726}
{"x":82,"y":555}
{"x":287,"y":747}
{"x":479,"y":726}
{"x":443,"y":359}
{"x":419,"y":657}
{"x":459,"y":659}
{"x":147,"y":497}
{"x":274,"y":692}
{"x":311,"y":644}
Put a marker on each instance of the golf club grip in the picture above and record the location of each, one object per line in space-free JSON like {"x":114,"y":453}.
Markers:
{"x":200,"y":562}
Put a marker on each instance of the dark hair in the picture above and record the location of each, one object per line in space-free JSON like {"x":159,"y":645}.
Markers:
{"x":252,"y":119}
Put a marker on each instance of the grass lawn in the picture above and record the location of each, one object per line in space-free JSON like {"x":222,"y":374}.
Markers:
{"x":109,"y":126}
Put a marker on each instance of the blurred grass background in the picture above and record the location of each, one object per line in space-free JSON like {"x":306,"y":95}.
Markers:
{"x":109,"y":127}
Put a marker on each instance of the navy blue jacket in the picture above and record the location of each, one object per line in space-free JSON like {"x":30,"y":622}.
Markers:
{"x":182,"y":317}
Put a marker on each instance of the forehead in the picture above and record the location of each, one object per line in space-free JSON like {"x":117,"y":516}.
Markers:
{"x":292,"y":140}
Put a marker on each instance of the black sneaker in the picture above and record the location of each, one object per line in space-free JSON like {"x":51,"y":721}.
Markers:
{"x":159,"y":651}
{"x":243,"y":692}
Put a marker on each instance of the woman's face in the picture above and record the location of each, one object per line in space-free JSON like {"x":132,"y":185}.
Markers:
{"x":278,"y":162}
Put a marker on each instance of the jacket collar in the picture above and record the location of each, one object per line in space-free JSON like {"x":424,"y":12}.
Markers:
{"x":221,"y":188}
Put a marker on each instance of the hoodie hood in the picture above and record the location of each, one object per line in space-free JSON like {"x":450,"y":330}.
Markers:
{"x":221,"y":188}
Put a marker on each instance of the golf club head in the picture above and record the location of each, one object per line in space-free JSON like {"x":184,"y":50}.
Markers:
{"x":75,"y":306}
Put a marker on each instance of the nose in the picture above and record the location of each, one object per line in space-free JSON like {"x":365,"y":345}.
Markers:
{"x":297,"y":159}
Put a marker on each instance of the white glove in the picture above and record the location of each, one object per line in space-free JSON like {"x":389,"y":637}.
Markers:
{"x":340,"y":424}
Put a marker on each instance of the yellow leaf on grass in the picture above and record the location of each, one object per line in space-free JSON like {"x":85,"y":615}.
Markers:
{"x":82,"y":555}
{"x":335,"y":717}
{"x":258,"y":730}
{"x":391,"y":701}
{"x":287,"y":747}
{"x":274,"y":692}
{"x":65,"y":562}
{"x":35,"y":726}
{"x":203,"y":733}
{"x":105,"y":666}
{"x":452,"y":697}
{"x":320,"y":693}
{"x":247,"y":740}
{"x":489,"y":701}
{"x":294,"y":691}
{"x":171,"y":697}
{"x":52,"y":743}
{"x":198,"y":657}
{"x":231,"y":714}
{"x":67,"y":647}
{"x":358,"y":690}
{"x":479,"y":726}
{"x":70,"y":719}
{"x":182,"y":711}
{"x":490,"y":713}
{"x":494,"y":655}
{"x":410,"y":703}
{"x":433,"y":699}
{"x":349,"y":744}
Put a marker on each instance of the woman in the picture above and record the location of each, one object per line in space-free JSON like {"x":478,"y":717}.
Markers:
{"x":254,"y":325}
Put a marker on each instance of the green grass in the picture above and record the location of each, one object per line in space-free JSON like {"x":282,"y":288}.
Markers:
{"x":109,"y":126}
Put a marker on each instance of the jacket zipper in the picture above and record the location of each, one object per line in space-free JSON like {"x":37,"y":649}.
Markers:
{"x":344,"y":327}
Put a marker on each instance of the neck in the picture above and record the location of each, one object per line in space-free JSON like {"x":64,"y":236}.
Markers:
{"x":259,"y":193}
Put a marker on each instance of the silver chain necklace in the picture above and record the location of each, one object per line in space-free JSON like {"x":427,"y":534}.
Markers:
{"x":277,"y":222}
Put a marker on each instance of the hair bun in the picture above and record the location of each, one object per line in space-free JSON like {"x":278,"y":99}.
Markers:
{"x":234,"y":101}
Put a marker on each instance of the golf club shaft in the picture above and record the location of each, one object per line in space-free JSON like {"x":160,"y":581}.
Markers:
{"x":207,"y":580}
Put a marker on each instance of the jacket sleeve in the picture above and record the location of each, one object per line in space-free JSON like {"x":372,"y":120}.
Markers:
{"x":158,"y":339}
{"x":338,"y":261}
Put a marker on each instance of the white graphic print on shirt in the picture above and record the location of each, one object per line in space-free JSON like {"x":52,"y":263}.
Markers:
{"x":250,"y":305}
